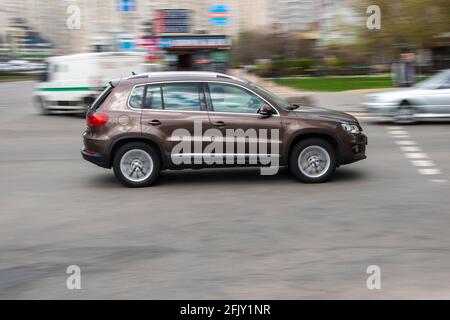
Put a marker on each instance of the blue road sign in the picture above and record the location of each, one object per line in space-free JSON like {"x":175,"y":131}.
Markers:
{"x":127,"y":5}
{"x":219,"y":14}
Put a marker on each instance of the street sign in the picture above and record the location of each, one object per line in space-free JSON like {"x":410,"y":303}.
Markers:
{"x":173,"y":21}
{"x":127,"y":5}
{"x":194,"y":42}
{"x":219,"y":14}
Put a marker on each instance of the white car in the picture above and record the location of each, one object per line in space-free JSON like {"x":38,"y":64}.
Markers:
{"x":429,"y":99}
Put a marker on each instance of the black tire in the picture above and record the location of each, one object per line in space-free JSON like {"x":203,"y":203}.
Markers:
{"x":405,"y":113}
{"x":154,"y":155}
{"x":299,"y":147}
{"x":41,"y":107}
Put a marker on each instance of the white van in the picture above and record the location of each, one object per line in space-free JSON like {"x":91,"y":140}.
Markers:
{"x":73,"y":82}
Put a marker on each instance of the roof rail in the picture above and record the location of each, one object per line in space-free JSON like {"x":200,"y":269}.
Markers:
{"x":179,"y":73}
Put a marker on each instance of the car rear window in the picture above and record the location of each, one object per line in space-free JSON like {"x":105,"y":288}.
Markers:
{"x":153,"y":99}
{"x":101,"y":98}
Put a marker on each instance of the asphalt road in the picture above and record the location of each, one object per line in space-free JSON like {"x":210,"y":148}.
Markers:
{"x":210,"y":234}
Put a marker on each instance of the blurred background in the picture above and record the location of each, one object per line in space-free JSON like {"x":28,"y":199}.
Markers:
{"x":273,"y":38}
{"x":227,"y":234}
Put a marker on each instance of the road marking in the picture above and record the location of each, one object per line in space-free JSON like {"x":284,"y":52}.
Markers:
{"x":439,"y":180}
{"x":410,"y":149}
{"x":414,"y":153}
{"x":398,"y":132}
{"x":429,"y":171}
{"x":422,"y":163}
{"x":405,"y":142}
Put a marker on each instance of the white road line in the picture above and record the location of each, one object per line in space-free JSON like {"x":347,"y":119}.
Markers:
{"x":422,"y":163}
{"x":413,"y":152}
{"x":410,"y":149}
{"x":398,"y":132}
{"x":405,"y":142}
{"x":439,"y":180}
{"x":416,"y":155}
{"x":429,"y":171}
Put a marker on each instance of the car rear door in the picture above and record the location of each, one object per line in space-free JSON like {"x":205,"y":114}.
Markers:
{"x":174,"y":113}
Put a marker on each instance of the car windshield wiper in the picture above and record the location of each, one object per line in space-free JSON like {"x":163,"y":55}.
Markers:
{"x":293,"y":106}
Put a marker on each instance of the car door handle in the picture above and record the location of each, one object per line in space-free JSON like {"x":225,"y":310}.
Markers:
{"x":219,"y":123}
{"x":154,"y":122}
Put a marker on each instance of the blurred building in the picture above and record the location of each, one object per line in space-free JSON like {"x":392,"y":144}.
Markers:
{"x":295,"y":15}
{"x":20,"y":37}
{"x":312,"y":18}
{"x":105,"y":22}
{"x":334,"y":17}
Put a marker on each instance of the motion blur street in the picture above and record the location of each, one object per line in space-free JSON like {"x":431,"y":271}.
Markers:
{"x":220,"y":234}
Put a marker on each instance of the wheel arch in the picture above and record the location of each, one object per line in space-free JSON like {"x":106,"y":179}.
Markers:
{"x":128,"y":139}
{"x":330,"y":138}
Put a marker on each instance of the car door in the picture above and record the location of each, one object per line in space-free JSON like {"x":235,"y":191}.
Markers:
{"x":246,"y":136}
{"x":174,"y":113}
{"x":442,"y":98}
{"x":438,"y":99}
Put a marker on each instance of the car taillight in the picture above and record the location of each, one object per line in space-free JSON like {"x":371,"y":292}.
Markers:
{"x":96,"y":119}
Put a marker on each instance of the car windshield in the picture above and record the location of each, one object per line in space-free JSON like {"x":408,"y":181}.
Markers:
{"x":278,"y":100}
{"x":435,"y":81}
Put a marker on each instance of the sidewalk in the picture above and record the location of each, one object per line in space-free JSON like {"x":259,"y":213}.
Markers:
{"x":347,"y":101}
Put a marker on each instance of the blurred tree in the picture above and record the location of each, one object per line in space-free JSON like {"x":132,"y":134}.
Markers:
{"x":250,"y":46}
{"x":405,"y":24}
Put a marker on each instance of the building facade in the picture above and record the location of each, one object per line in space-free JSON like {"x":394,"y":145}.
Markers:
{"x":106,"y":22}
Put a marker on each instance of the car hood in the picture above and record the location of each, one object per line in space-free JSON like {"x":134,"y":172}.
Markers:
{"x":324,"y":114}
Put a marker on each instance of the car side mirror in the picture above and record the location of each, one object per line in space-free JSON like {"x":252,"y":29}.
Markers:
{"x":265,"y":111}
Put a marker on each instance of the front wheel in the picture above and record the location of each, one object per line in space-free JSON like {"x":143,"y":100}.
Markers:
{"x":40,"y":104}
{"x":312,"y":160}
{"x":404,"y":113}
{"x":136,"y":165}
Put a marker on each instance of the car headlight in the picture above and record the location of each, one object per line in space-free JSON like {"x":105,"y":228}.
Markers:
{"x":350,"y":128}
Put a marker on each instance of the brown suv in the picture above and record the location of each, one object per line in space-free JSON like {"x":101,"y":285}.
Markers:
{"x":174,"y":120}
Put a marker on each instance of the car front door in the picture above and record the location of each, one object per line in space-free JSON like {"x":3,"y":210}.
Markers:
{"x":246,"y":135}
{"x":438,"y":99}
{"x":174,"y":114}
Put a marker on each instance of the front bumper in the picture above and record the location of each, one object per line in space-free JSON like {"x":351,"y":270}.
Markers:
{"x":382,"y":109}
{"x":95,"y":158}
{"x":355,"y":149}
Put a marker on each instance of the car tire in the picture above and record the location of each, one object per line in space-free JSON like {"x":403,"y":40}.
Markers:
{"x":318,"y":158}
{"x":39,"y":102}
{"x":136,"y":165}
{"x":404,"y":113}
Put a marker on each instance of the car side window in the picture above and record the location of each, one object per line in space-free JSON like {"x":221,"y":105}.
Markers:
{"x":153,"y":99}
{"x":446,"y":84}
{"x":136,"y":97}
{"x":181,"y":96}
{"x":230,"y":98}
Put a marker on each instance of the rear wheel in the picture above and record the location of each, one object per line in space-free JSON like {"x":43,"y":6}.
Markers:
{"x":136,"y":164}
{"x":312,"y":160}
